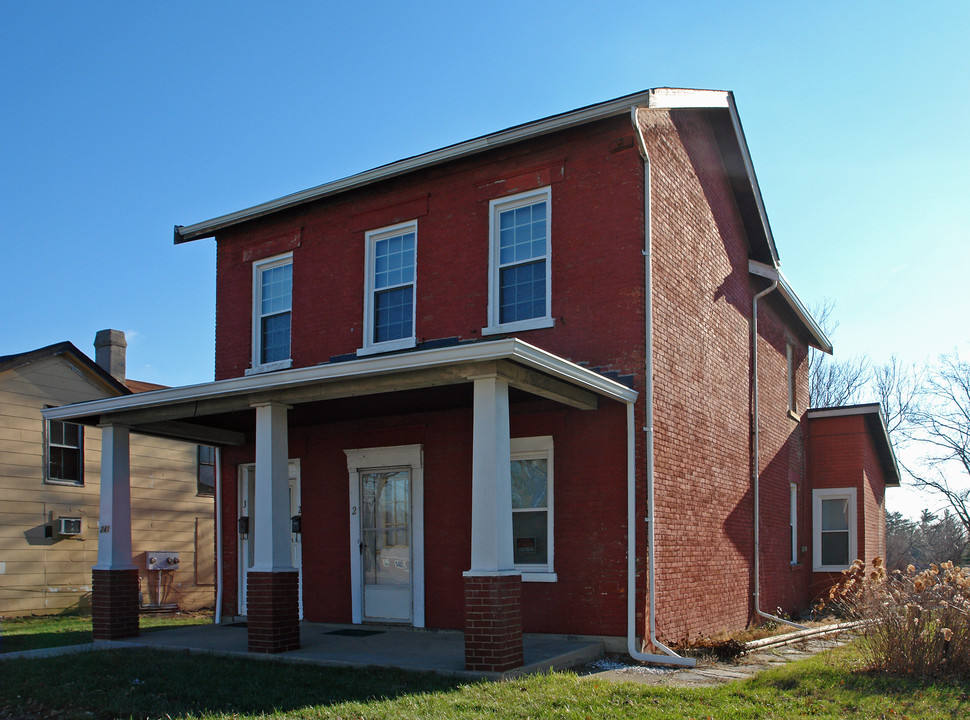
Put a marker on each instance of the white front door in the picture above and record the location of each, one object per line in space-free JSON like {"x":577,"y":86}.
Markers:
{"x":387,"y":534}
{"x":247,"y":480}
{"x":385,"y":544}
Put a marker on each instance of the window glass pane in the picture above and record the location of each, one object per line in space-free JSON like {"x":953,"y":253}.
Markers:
{"x":522,"y":233}
{"x":277,"y":289}
{"x":394,"y":261}
{"x":275,"y":340}
{"x":835,"y":514}
{"x":530,"y":538}
{"x":522,"y":292}
{"x":529,"y":483}
{"x":65,"y":464}
{"x":71,"y":434}
{"x":835,"y":548}
{"x":393,"y":313}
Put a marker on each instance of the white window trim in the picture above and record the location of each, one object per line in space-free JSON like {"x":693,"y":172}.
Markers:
{"x":48,"y":480}
{"x":533,"y":448}
{"x":793,"y":520}
{"x":258,"y":267}
{"x":833,"y":494}
{"x":381,"y":458}
{"x":496,"y":206}
{"x":370,"y":240}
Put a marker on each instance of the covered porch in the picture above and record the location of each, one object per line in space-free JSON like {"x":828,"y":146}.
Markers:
{"x":262,"y":411}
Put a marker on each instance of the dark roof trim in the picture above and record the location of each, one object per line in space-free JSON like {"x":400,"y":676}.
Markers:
{"x":872,"y":414}
{"x":70,"y":351}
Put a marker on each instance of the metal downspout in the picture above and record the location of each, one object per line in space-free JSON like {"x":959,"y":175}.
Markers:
{"x":219,"y":584}
{"x":671,"y":658}
{"x":756,"y":455}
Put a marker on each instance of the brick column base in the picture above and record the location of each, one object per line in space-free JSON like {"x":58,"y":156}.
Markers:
{"x":114,"y":604}
{"x":493,"y":622}
{"x":273,"y":613}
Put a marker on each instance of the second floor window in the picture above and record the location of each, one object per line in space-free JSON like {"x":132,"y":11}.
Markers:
{"x":272,"y":305}
{"x":519,"y":266}
{"x":389,"y":302}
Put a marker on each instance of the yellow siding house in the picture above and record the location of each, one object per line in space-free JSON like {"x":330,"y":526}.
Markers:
{"x":49,"y":482}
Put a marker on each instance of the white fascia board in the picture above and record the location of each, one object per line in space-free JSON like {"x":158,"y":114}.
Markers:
{"x":505,"y":349}
{"x":822,"y":341}
{"x":844,"y":410}
{"x":687,"y":98}
{"x":794,"y":302}
{"x":619,"y":106}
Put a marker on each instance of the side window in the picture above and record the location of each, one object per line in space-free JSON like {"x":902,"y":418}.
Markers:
{"x":64,"y":453}
{"x":519,"y":263}
{"x":790,"y":375}
{"x":834,"y":529}
{"x":390,"y":267}
{"x":793,"y":521}
{"x":272,"y":306}
{"x":206,"y":483}
{"x":532,"y":508}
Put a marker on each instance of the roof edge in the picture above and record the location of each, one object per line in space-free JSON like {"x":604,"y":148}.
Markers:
{"x":661,"y":98}
{"x":12,"y":362}
{"x":872,"y":413}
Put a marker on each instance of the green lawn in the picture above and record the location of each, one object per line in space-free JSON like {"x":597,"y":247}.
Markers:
{"x":154,"y":684}
{"x":30,"y":633}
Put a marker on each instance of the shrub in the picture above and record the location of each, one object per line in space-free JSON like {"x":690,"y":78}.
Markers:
{"x":914,"y":623}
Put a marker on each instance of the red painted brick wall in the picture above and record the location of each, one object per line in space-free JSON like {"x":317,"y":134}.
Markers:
{"x":702,"y":349}
{"x":597,"y":230}
{"x":702,"y":355}
{"x":589,"y":483}
{"x":843,"y":455}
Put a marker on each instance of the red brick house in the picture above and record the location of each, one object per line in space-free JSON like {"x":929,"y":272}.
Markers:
{"x":448,"y":388}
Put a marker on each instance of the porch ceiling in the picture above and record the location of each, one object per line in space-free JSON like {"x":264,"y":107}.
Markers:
{"x":219,"y":413}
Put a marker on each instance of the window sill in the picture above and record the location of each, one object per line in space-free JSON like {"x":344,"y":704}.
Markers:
{"x":794,"y":416}
{"x":65,"y":483}
{"x":269,"y":367}
{"x":540,"y":577}
{"x":830,"y":568}
{"x":531,"y":324}
{"x":387,"y":346}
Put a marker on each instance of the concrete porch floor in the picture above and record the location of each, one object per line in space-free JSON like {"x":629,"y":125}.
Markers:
{"x":440,"y":651}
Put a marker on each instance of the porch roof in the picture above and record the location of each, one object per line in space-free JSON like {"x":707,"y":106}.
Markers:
{"x":198,"y":413}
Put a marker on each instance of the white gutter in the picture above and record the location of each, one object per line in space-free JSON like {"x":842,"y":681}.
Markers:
{"x":218,"y":614}
{"x":670,"y":658}
{"x":773,"y":275}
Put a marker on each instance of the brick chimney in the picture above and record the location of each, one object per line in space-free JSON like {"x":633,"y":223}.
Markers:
{"x":109,"y":352}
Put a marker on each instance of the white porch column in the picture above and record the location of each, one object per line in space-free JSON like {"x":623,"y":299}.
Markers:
{"x":271,"y":521}
{"x":491,"y":478}
{"x":114,"y":517}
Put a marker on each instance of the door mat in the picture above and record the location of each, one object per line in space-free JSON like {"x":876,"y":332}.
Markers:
{"x":352,"y":632}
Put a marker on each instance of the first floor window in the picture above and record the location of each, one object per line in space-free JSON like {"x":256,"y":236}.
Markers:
{"x":793,"y":521}
{"x":272,"y":306}
{"x":834,"y":531}
{"x":519,"y":266}
{"x":206,"y":485}
{"x":532,"y":535}
{"x":65,"y":455}
{"x":391,"y":264}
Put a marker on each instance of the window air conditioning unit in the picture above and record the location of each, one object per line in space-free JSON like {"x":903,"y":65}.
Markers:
{"x":68,"y":526}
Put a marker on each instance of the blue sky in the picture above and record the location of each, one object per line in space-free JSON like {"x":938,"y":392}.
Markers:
{"x":120,"y":120}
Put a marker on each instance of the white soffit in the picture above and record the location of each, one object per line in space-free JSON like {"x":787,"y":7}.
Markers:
{"x":506,"y":349}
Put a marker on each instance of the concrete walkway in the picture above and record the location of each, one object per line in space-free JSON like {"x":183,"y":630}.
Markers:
{"x":441,"y":651}
{"x":709,"y":673}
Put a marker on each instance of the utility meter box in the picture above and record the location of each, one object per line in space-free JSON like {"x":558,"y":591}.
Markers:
{"x":161,"y":560}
